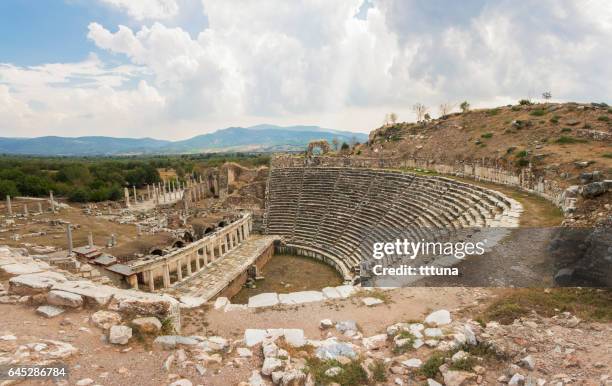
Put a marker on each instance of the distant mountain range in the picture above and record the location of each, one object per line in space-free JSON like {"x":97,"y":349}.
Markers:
{"x":260,"y":138}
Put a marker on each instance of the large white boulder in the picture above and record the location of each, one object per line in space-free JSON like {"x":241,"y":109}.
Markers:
{"x":439,"y":318}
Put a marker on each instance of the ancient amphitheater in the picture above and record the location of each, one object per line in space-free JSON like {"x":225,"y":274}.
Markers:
{"x":336,"y":213}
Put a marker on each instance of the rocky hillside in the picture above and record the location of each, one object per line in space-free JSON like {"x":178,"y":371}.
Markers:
{"x":568,"y":143}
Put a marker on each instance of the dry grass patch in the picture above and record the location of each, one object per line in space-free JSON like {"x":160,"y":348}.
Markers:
{"x":587,"y":303}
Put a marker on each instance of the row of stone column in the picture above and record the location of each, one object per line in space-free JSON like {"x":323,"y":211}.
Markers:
{"x":160,"y":192}
{"x":211,"y":251}
{"x":26,"y":210}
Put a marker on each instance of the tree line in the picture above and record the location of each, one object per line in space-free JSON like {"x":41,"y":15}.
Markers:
{"x":94,"y":179}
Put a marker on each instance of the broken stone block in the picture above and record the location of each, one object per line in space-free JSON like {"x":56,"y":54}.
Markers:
{"x":119,"y":334}
{"x":62,"y":298}
{"x":105,"y":319}
{"x":148,"y":325}
{"x":49,"y":311}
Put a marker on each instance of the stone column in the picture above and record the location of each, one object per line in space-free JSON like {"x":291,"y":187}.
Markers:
{"x":69,"y":237}
{"x":90,"y":240}
{"x":205,"y":256}
{"x":25,"y":210}
{"x":9,"y":206}
{"x":151,"y":280}
{"x":135,"y":199}
{"x":166,"y":275}
{"x":126,"y":195}
{"x":148,"y":192}
{"x":52,"y":201}
{"x":179,"y":269}
{"x":197,"y":261}
{"x":188,"y":265}
{"x":40,"y":207}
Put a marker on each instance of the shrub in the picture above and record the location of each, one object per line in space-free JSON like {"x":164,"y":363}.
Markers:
{"x":379,"y":371}
{"x":464,"y":106}
{"x":8,"y":188}
{"x":510,"y":149}
{"x":525,"y":102}
{"x":566,"y":129}
{"x":554,"y":119}
{"x":538,"y":113}
{"x":607,"y":155}
{"x":603,"y":118}
{"x":523,"y":162}
{"x":493,"y":112}
{"x":352,"y":373}
{"x":487,"y":135}
{"x":521,"y":154}
{"x":564,"y":140}
{"x":432,"y":365}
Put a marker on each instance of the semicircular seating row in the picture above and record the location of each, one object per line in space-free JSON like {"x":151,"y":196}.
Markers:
{"x":340,"y":211}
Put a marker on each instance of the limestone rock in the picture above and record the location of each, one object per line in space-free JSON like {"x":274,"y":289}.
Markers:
{"x":459,"y":378}
{"x":256,"y":379}
{"x":375,"y":342}
{"x":182,"y":382}
{"x":34,"y":283}
{"x":94,"y":294}
{"x":119,"y":334}
{"x":244,"y":352}
{"x":169,"y":342}
{"x":438,"y":318}
{"x":326,"y":323}
{"x":221,"y":302}
{"x":294,"y":337}
{"x":66,"y":299}
{"x":84,"y":382}
{"x":301,"y":297}
{"x":516,"y":380}
{"x":332,"y":349}
{"x":433,"y":332}
{"x":369,"y":301}
{"x":266,"y":299}
{"x":49,"y":311}
{"x":105,"y":319}
{"x":271,"y":364}
{"x":528,"y":362}
{"x":414,"y":363}
{"x":254,"y":336}
{"x":148,"y":325}
{"x":331,"y":293}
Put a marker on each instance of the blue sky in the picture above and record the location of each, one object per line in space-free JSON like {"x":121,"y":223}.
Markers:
{"x":36,"y":32}
{"x":176,"y":68}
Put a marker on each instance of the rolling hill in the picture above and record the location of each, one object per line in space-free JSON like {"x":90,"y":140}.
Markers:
{"x":260,"y":138}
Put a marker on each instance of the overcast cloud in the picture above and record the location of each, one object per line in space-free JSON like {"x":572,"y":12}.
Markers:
{"x":337,"y":64}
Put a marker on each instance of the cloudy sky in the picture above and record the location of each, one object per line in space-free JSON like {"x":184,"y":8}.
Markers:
{"x":176,"y":68}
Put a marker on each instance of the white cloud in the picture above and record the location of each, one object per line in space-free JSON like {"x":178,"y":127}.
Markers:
{"x":315,"y":62}
{"x":146,"y":9}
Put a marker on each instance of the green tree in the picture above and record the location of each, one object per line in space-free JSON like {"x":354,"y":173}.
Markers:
{"x":9,"y":188}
